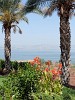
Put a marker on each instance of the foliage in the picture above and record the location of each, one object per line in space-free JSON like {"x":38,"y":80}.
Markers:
{"x":50,"y":84}
{"x":2,"y":63}
{"x":50,"y":87}
{"x":28,"y":83}
{"x":14,"y":65}
{"x":43,"y":96}
{"x":31,"y":6}
{"x":68,"y":94}
{"x":21,"y":84}
{"x":36,"y":80}
{"x":2,"y":66}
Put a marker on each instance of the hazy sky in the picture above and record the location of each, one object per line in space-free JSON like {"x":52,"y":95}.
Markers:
{"x":40,"y":34}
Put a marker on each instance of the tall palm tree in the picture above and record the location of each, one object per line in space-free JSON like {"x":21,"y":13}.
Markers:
{"x":11,"y":12}
{"x":64,"y":8}
{"x":10,"y":15}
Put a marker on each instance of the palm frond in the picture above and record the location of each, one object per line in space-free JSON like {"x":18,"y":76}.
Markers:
{"x":12,"y":11}
{"x":14,"y":29}
{"x":52,"y":7}
{"x":1,"y":17}
{"x":37,"y":6}
{"x":20,"y":16}
{"x":30,"y":6}
{"x":38,"y":11}
{"x":9,"y":5}
{"x":25,"y":19}
{"x":2,"y":28}
{"x":50,"y":11}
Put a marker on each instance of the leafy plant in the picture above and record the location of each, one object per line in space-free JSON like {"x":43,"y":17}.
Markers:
{"x":36,"y":81}
{"x":2,"y":63}
{"x":14,"y":65}
{"x":44,"y":96}
{"x":22,"y":84}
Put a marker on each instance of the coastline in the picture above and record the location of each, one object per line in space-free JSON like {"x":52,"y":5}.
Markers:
{"x":23,"y":60}
{"x":54,"y":63}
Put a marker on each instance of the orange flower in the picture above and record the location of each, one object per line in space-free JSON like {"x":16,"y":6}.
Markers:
{"x":39,"y":63}
{"x":59,"y":72}
{"x":60,"y":65}
{"x":37,"y":60}
{"x":46,"y":69}
{"x":54,"y":72}
{"x":48,"y":63}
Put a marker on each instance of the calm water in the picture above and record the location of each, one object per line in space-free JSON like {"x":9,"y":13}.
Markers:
{"x":28,"y":55}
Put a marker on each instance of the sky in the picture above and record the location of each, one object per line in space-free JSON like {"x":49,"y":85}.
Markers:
{"x":40,"y":34}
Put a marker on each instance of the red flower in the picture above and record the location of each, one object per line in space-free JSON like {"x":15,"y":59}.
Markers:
{"x":48,"y":63}
{"x":60,"y":65}
{"x":60,"y":72}
{"x":46,"y":69}
{"x":54,"y":72}
{"x":37,"y":60}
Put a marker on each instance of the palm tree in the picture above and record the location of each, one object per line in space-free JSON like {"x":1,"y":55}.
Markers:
{"x":10,"y":15}
{"x":64,"y":8}
{"x":11,"y":12}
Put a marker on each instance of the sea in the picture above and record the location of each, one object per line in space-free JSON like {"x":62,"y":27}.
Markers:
{"x":52,"y":55}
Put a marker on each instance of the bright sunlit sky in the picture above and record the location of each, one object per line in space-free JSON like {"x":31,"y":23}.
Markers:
{"x":40,"y":34}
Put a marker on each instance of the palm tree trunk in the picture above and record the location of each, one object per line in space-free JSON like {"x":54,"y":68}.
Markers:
{"x":65,"y":47}
{"x":7,"y":46}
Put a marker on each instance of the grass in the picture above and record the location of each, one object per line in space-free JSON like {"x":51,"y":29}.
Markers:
{"x":68,"y":93}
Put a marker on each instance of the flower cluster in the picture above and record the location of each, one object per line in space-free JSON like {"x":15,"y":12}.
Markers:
{"x":50,"y":79}
{"x":48,"y":63}
{"x":36,"y":60}
{"x":56,"y":72}
{"x":47,"y":67}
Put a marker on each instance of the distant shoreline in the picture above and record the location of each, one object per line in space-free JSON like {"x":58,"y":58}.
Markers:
{"x":30,"y":55}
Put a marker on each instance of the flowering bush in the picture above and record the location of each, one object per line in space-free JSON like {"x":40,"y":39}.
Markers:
{"x":34,"y":81}
{"x":47,"y":66}
{"x":49,"y":83}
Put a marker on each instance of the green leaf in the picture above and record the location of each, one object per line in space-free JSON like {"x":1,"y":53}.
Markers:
{"x":25,"y":19}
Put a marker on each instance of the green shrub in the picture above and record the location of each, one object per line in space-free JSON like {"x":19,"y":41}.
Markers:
{"x":31,"y":83}
{"x":24,"y":65}
{"x":14,"y":65}
{"x":22,"y":84}
{"x":44,"y":96}
{"x":2,"y":63}
{"x":27,"y":83}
